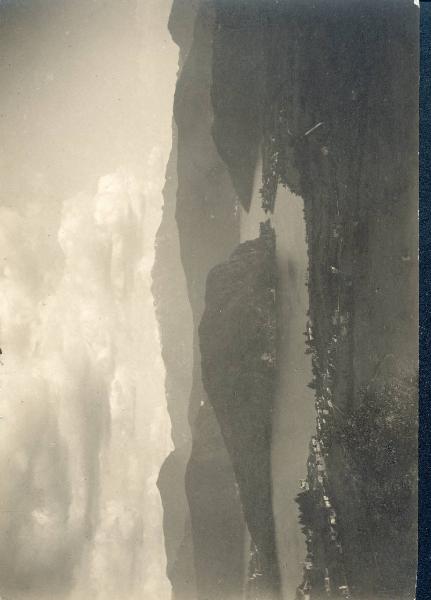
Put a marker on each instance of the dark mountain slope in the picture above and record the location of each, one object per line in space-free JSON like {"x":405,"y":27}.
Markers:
{"x":238,"y":348}
{"x":207,"y":230}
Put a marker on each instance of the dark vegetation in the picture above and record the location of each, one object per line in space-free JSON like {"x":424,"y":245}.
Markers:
{"x":380,"y":443}
{"x":379,"y":460}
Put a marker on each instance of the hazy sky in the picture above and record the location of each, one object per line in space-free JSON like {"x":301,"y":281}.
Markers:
{"x":85,"y":133}
{"x":86,"y":86}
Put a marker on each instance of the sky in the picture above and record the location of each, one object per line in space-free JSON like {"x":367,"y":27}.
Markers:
{"x":85,"y":130}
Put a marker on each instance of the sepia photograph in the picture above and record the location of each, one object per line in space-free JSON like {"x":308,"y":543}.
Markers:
{"x":209,"y":299}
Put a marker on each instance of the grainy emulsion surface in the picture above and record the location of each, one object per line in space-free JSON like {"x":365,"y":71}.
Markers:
{"x":208,"y":299}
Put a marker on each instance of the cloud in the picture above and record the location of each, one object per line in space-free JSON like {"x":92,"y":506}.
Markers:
{"x":83,"y":417}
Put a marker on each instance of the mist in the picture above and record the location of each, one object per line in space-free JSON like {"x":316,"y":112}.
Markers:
{"x":86,"y":111}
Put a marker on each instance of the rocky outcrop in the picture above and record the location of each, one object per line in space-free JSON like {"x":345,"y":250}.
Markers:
{"x":238,"y":348}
